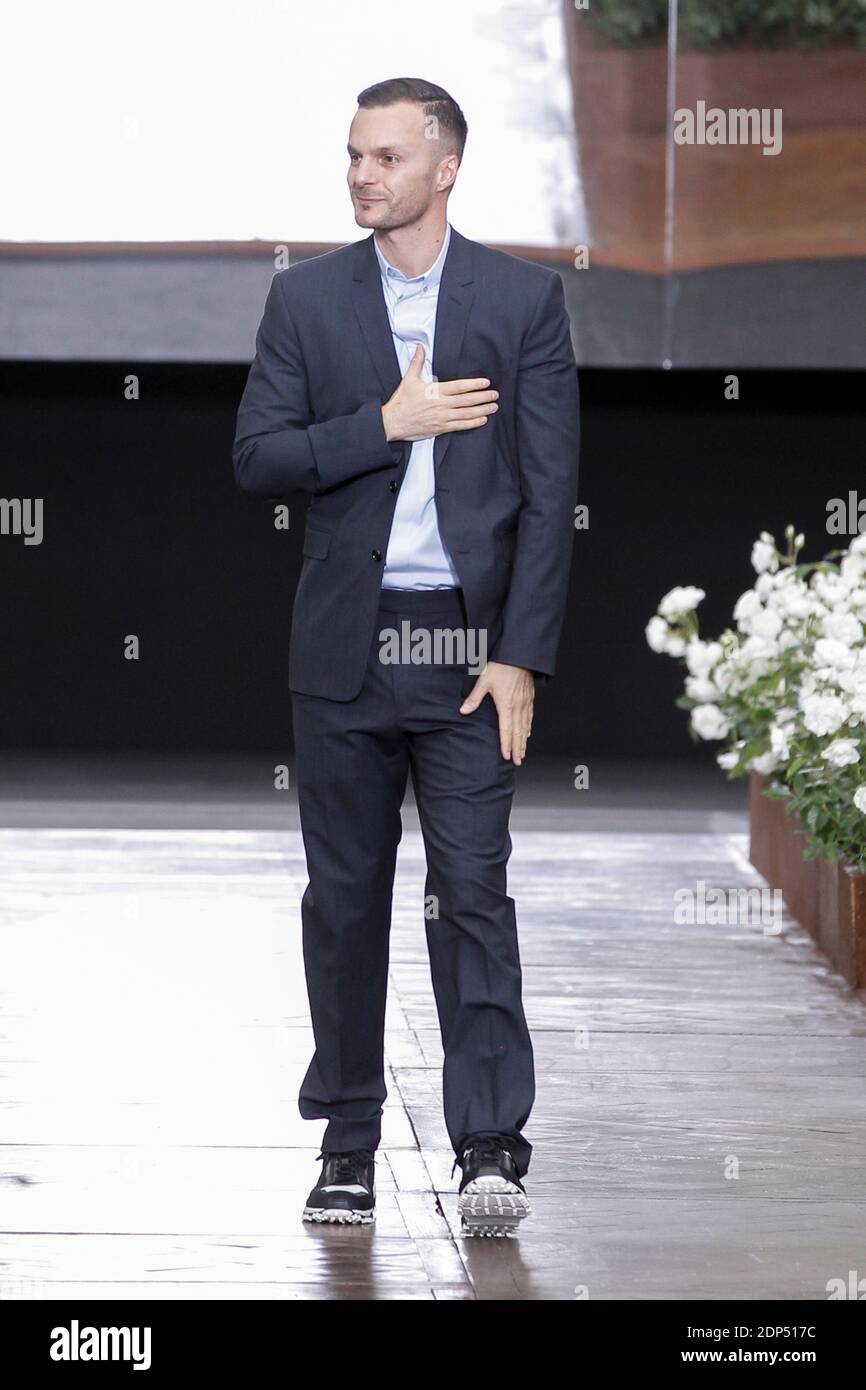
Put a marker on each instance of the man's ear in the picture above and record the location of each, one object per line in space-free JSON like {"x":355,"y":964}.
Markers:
{"x":448,"y":171}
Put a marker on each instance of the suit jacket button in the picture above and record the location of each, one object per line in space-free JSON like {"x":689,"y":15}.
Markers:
{"x":393,"y":485}
{"x":377,"y":554}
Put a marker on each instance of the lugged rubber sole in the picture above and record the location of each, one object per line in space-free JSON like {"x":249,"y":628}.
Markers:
{"x":339,"y":1218}
{"x":492,"y":1206}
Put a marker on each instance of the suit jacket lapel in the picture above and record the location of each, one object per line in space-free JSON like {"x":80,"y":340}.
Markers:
{"x":369,"y":305}
{"x":452,"y":311}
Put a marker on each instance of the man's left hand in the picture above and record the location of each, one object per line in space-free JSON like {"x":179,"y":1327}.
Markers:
{"x":512,"y":690}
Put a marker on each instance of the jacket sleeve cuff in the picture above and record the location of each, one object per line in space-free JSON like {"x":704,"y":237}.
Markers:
{"x":351,"y":445}
{"x":512,"y":653}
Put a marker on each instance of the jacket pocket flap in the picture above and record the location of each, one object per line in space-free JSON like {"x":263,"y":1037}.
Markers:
{"x":316,"y":543}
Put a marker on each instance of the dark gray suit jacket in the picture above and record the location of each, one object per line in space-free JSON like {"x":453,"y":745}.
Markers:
{"x":310,"y":419}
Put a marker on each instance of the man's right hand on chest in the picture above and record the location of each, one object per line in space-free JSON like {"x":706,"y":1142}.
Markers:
{"x":423,"y":409}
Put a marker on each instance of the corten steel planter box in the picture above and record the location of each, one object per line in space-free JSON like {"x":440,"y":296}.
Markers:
{"x":829,"y":900}
{"x":731,"y":205}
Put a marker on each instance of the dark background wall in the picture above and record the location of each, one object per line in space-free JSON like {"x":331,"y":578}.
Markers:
{"x":146,"y":533}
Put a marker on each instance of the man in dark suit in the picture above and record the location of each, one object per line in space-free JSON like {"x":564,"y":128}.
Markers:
{"x":441,"y":512}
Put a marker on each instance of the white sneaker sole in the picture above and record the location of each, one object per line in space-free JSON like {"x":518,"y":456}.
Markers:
{"x":339,"y":1218}
{"x":492,"y":1206}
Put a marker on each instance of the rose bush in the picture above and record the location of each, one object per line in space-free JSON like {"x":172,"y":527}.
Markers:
{"x":785,"y":687}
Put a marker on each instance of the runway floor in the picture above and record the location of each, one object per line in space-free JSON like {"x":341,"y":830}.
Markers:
{"x":699,"y":1127}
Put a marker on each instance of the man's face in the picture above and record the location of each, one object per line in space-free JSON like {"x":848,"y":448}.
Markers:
{"x":395,"y":169}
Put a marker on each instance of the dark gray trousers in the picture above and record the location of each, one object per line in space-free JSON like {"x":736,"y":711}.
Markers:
{"x":352,"y":764}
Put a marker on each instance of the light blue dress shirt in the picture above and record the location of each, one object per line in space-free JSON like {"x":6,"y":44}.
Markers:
{"x":417,"y":557}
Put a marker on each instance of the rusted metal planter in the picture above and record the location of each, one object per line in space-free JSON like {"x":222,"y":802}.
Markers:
{"x":829,"y":900}
{"x":727,"y":210}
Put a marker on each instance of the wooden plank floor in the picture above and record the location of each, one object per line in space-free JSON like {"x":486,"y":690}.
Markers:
{"x":699,"y":1129}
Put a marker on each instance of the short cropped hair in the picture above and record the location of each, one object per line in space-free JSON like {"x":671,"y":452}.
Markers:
{"x":436,"y":101}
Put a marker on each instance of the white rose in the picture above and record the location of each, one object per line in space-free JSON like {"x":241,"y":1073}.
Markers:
{"x":853,"y":567}
{"x":860,"y":799}
{"x":746,"y":606}
{"x":823,"y":714}
{"x":757,"y":648}
{"x":841,"y":752}
{"x":702,"y":689}
{"x":709,"y":722}
{"x":683,"y":599}
{"x":780,"y":742}
{"x":765,"y":586}
{"x":765,"y":762}
{"x":829,"y":652}
{"x":728,"y":759}
{"x":794,"y":601}
{"x":757,"y":656}
{"x":764,"y":556}
{"x":767,"y":623}
{"x":831,"y":589}
{"x":657,"y":634}
{"x":724,"y":675}
{"x":842,"y":627}
{"x":852,"y":681}
{"x":701,"y":657}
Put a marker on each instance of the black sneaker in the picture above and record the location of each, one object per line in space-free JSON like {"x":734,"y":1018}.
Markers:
{"x":346,"y":1190}
{"x":492,"y":1200}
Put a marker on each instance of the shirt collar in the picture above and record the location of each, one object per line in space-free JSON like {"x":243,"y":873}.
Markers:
{"x":430,"y":277}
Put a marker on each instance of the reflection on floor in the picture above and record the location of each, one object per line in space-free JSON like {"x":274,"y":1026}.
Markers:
{"x":698,"y":1128}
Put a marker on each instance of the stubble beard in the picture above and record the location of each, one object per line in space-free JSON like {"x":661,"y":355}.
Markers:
{"x":388,"y":217}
